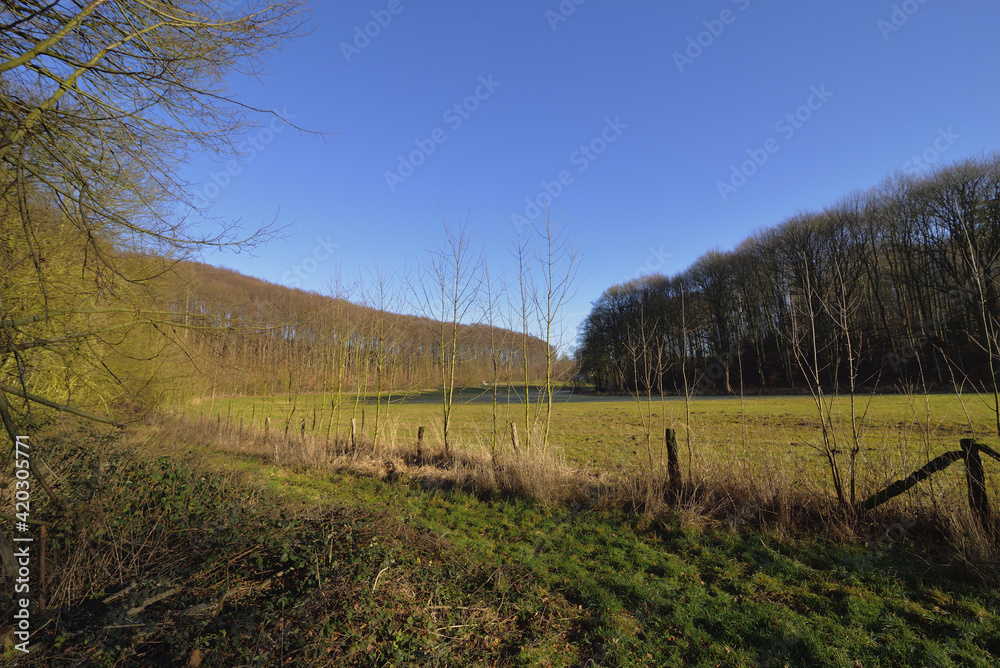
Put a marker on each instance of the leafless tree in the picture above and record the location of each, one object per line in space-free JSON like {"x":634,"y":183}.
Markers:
{"x":447,"y":291}
{"x":101,"y":102}
{"x":558,"y":263}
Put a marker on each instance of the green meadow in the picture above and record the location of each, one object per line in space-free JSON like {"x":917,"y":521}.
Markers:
{"x":760,"y":437}
{"x":265,"y":564}
{"x":373,"y":559}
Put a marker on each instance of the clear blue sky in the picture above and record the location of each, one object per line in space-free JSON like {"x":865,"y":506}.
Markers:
{"x":869,"y":85}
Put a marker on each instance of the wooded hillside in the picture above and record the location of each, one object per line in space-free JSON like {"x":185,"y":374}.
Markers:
{"x":894,"y":286}
{"x":264,"y":338}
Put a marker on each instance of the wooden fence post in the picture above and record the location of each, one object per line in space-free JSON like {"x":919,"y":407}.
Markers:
{"x":673,"y":467}
{"x":420,"y":445}
{"x":353,"y":431}
{"x":976,"y":478}
{"x":513,"y":435}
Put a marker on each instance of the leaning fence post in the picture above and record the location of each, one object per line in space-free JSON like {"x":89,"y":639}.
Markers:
{"x":513,"y":435}
{"x":979,"y":502}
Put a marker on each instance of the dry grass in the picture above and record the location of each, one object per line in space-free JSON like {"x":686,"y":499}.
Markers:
{"x":736,"y":488}
{"x":536,"y":473}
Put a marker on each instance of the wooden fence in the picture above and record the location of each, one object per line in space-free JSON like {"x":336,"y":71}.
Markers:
{"x":971,"y":453}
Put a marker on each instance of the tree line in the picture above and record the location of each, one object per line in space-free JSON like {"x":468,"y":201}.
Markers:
{"x":895,"y":286}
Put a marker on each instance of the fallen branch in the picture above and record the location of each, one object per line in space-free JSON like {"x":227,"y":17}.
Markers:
{"x":39,"y":523}
{"x":986,"y":450}
{"x":117,"y":595}
{"x":377,"y":577}
{"x":155,"y":599}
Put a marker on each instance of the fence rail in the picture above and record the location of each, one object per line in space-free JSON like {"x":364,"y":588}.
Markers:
{"x":971,"y":453}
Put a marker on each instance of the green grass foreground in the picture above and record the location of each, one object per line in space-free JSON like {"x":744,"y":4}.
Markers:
{"x":266,"y":565}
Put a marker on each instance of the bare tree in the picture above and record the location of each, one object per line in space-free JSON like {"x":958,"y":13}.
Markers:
{"x":810,"y":357}
{"x":447,"y":290}
{"x":559,"y":266}
{"x":101,"y":102}
{"x":524,"y":309}
{"x":645,"y":345}
{"x":382,"y":340}
{"x":494,"y":290}
{"x":339,"y":331}
{"x":688,"y":386}
{"x":982,"y":266}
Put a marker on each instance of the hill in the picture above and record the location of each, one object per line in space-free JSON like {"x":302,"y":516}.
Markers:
{"x":266,"y":338}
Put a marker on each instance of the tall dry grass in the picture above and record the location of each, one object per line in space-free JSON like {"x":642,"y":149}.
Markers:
{"x":733,"y":488}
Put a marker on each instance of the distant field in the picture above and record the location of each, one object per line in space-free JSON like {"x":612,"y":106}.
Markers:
{"x":756,"y":436}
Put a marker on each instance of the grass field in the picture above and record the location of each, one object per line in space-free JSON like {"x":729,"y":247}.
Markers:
{"x":207,"y":542}
{"x":284,"y":566}
{"x":759,"y":438}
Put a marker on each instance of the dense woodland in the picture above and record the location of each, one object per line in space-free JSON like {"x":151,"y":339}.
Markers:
{"x":896,"y":286}
{"x":181,"y":329}
{"x":265,"y":339}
